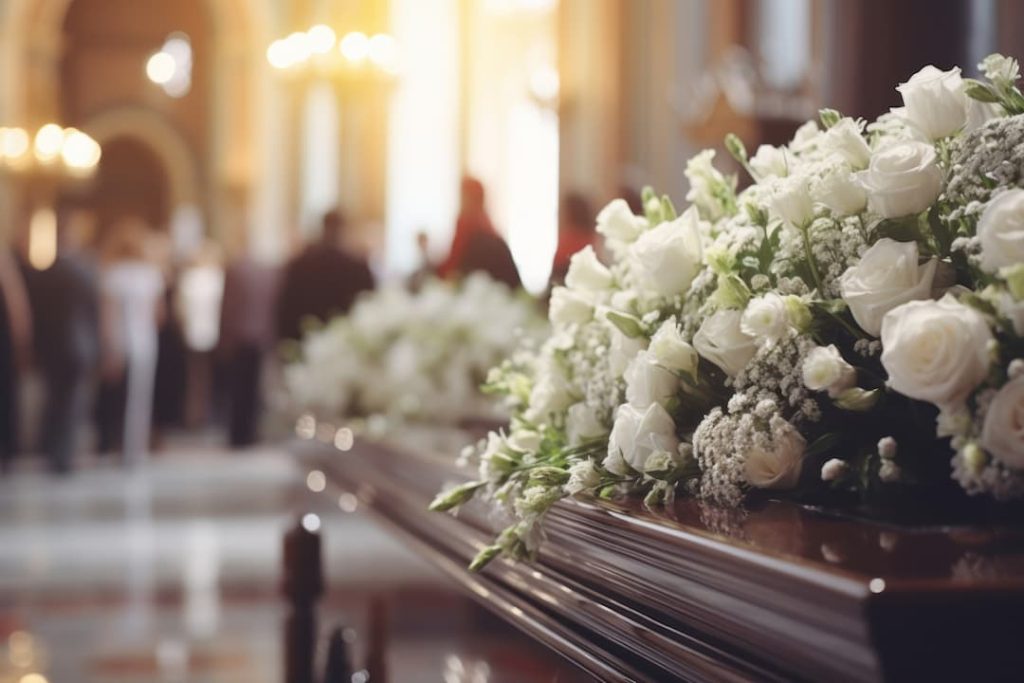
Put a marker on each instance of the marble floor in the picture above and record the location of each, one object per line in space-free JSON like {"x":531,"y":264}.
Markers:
{"x":170,"y":573}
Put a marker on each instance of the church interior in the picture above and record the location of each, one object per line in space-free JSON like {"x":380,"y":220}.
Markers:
{"x":184,"y":185}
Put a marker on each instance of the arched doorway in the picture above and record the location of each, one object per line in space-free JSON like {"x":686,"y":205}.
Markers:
{"x":131,"y":182}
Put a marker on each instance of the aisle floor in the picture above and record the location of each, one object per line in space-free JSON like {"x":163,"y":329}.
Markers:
{"x":171,"y":573}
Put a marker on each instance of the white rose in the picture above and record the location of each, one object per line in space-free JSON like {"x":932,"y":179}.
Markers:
{"x":568,"y":306}
{"x":1001,"y":231}
{"x":666,"y":258}
{"x":902,"y":179}
{"x":721,"y":341}
{"x":581,"y":424}
{"x":935,"y":101}
{"x":765,"y":318}
{"x":791,"y":200}
{"x":825,"y":370}
{"x":769,"y":161}
{"x":887,"y":276}
{"x":935,"y":351}
{"x":777,"y":466}
{"x":980,"y":113}
{"x":619,"y":225}
{"x":845,"y":139}
{"x":841,"y":193}
{"x":671,"y":351}
{"x":648,"y":382}
{"x":638,"y":434}
{"x":587,"y":273}
{"x":1003,"y":432}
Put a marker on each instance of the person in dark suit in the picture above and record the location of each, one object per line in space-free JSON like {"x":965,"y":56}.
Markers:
{"x":322,"y":281}
{"x":15,"y":340}
{"x":65,"y":310}
{"x":476,"y":245}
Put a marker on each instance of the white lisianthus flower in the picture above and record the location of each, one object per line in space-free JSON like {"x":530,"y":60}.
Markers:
{"x":622,"y":350}
{"x":666,"y":258}
{"x":980,"y":113}
{"x":1002,"y":434}
{"x":722,"y":341}
{"x":846,"y":140}
{"x":935,"y":101}
{"x":935,"y":351}
{"x":648,"y":382}
{"x":825,"y":370}
{"x":587,"y":273}
{"x":1001,"y":231}
{"x":766,"y":318}
{"x":791,"y":201}
{"x":569,"y":306}
{"x":1002,"y":71}
{"x":525,"y":440}
{"x":619,"y":225}
{"x":550,"y":392}
{"x":902,"y":179}
{"x":768,"y":162}
{"x":707,"y":184}
{"x":581,"y":424}
{"x":841,"y":193}
{"x":671,"y":351}
{"x":637,"y":434}
{"x":887,"y":276}
{"x":777,"y":466}
{"x":583,"y":476}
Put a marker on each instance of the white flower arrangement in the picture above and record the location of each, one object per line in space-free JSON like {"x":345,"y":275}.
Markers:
{"x":832,"y":329}
{"x":413,"y":356}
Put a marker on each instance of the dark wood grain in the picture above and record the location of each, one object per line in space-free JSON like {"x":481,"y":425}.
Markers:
{"x":775,"y":592}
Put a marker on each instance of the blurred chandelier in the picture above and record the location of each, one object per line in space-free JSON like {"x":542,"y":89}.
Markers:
{"x":52,"y":151}
{"x":319,"y":52}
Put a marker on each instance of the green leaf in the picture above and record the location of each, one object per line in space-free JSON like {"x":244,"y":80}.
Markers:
{"x":668,"y":209}
{"x":824,"y":444}
{"x":829,"y":117}
{"x":627,"y":324}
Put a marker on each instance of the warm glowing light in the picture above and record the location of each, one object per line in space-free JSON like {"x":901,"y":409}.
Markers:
{"x":277,"y":55}
{"x":33,"y":678}
{"x":544,"y":84}
{"x":355,"y":46}
{"x":80,"y":152}
{"x":321,"y":39}
{"x":383,"y":51}
{"x":299,"y":47}
{"x":42,"y":239}
{"x":311,"y":522}
{"x":13,"y":143}
{"x":348,"y":502}
{"x":316,"y":481}
{"x":48,"y":142}
{"x":160,"y":68}
{"x":344,"y":439}
{"x":305,"y":427}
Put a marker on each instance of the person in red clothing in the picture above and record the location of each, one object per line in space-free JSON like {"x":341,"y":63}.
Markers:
{"x":476,"y":245}
{"x":576,"y":230}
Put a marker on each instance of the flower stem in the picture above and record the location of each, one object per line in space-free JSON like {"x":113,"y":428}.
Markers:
{"x":805,"y":231}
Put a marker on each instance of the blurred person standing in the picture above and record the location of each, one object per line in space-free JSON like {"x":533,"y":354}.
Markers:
{"x":200,"y":289}
{"x":427,"y":269}
{"x":323,"y":280}
{"x":476,"y":245}
{"x":65,"y":310}
{"x":132,"y":286}
{"x":576,"y":230}
{"x":246,"y":334}
{"x":15,"y":340}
